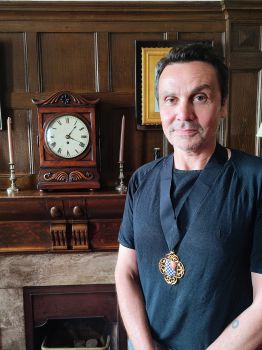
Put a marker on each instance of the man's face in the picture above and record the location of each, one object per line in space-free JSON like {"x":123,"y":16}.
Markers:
{"x":190,"y":105}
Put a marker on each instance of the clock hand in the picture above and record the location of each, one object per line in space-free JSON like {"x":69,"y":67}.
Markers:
{"x":71,"y":138}
{"x":67,"y":136}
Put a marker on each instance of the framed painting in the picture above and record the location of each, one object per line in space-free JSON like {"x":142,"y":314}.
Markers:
{"x":148,"y":53}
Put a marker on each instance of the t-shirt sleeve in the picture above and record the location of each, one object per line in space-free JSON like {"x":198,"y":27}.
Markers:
{"x":126,"y":232}
{"x":256,"y":254}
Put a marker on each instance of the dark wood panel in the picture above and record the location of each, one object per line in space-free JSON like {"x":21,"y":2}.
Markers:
{"x":109,"y":11}
{"x":32,"y":58}
{"x":25,"y":236}
{"x":23,"y":209}
{"x":176,"y":22}
{"x":67,"y":61}
{"x":13,"y":75}
{"x":246,"y":60}
{"x":107,"y":207}
{"x":123,"y":58}
{"x":103,"y":234}
{"x":242,"y":117}
{"x":245,"y":37}
{"x":217,"y":38}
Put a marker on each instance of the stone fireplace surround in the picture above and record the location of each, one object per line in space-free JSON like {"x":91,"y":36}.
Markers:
{"x":19,"y":270}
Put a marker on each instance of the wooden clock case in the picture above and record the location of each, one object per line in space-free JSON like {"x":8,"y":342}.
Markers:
{"x":62,"y":173}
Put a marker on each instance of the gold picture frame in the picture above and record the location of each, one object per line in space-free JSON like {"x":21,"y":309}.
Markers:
{"x":148,"y":53}
{"x":150,"y":58}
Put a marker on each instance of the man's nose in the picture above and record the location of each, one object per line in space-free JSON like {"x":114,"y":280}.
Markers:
{"x":185,"y":111}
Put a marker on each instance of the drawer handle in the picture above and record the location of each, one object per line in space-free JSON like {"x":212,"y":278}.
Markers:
{"x":78,"y":212}
{"x":55,"y":212}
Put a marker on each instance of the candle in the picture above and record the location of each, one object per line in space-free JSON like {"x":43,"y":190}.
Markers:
{"x":10,"y":141}
{"x":122,"y":137}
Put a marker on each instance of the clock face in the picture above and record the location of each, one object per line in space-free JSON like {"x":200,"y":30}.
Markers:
{"x":67,"y":136}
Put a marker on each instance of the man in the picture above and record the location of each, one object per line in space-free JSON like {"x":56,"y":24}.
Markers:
{"x":189,"y":269}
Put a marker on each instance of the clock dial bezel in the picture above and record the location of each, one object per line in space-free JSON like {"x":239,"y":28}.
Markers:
{"x":50,"y":121}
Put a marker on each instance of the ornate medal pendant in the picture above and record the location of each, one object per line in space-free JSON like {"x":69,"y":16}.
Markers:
{"x":172,"y":268}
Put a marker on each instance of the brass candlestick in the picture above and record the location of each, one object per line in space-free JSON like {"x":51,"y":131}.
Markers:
{"x":12,"y":189}
{"x":121,"y":187}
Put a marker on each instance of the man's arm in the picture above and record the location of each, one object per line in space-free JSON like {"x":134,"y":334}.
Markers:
{"x":131,"y":301}
{"x":245,"y":332}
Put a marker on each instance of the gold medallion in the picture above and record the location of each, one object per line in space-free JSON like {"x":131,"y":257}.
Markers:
{"x":172,"y":268}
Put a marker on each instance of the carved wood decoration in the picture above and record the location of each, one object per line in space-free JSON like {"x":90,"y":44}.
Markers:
{"x":58,"y":236}
{"x":79,"y":237}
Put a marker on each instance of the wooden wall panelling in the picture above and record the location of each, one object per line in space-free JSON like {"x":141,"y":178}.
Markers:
{"x":243,"y":110}
{"x":93,"y":52}
{"x":12,"y":62}
{"x":245,"y":37}
{"x":89,"y":48}
{"x":67,"y":61}
{"x":244,"y":20}
{"x":245,"y":60}
{"x":218,"y":38}
{"x":16,"y":79}
{"x":123,"y":58}
{"x":13,"y":78}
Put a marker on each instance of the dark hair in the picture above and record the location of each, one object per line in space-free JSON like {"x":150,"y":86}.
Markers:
{"x":195,"y":52}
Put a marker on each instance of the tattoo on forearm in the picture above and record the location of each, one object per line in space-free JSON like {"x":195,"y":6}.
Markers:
{"x":235,"y":323}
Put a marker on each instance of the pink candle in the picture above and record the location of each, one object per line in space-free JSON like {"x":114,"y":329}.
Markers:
{"x":10,"y":140}
{"x":122,"y":139}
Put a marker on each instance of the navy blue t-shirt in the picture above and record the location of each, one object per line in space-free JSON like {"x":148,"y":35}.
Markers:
{"x":182,"y":183}
{"x":220,"y":246}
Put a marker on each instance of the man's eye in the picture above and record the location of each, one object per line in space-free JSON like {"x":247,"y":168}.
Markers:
{"x":170,"y":100}
{"x":200,"y":98}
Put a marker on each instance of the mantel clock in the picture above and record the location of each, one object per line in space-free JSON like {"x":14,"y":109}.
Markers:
{"x":67,"y":142}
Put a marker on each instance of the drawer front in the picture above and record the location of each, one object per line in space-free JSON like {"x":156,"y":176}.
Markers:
{"x":22,"y":209}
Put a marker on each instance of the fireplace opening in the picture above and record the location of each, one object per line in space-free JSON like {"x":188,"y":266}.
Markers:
{"x":85,"y":333}
{"x":68,"y":317}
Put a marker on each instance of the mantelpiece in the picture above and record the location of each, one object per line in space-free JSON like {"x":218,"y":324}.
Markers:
{"x":33,"y":221}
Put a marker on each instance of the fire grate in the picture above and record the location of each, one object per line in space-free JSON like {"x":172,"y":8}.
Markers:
{"x":82,"y":334}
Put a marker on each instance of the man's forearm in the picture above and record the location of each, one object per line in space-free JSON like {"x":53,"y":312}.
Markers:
{"x":131,"y":304}
{"x":244,"y":333}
